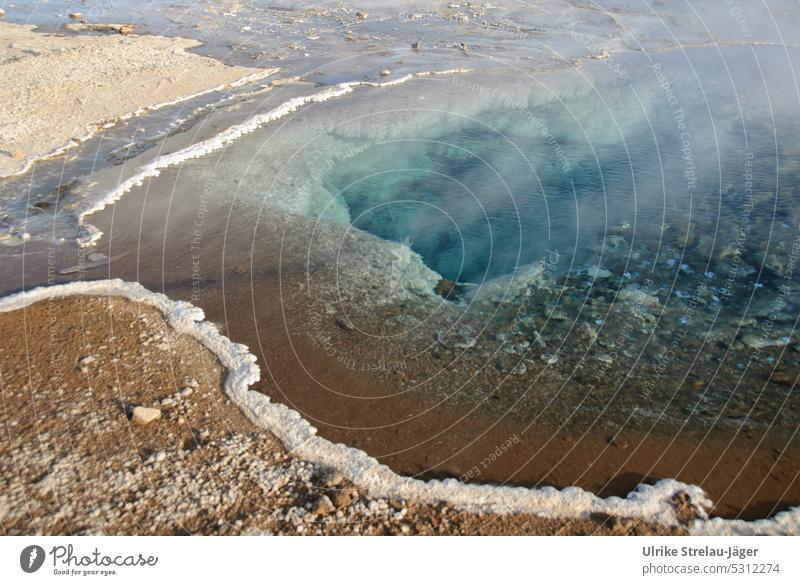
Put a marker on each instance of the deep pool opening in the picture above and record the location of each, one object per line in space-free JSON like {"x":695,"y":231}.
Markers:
{"x":448,"y":203}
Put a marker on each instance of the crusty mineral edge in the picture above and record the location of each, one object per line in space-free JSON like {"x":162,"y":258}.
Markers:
{"x":648,"y":503}
{"x":90,"y":234}
{"x":56,"y":91}
{"x":123,"y":429}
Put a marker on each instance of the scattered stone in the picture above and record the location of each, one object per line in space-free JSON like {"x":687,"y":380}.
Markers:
{"x":458,"y":341}
{"x":75,"y":15}
{"x":333,"y":478}
{"x":122,"y":29}
{"x":416,"y":45}
{"x":344,"y":498}
{"x":2,"y":13}
{"x":520,"y":369}
{"x":323,"y":506}
{"x":759,"y":342}
{"x":84,"y":363}
{"x":361,"y":15}
{"x":97,"y":257}
{"x":385,"y":72}
{"x":617,"y":442}
{"x":598,"y":272}
{"x":41,"y":205}
{"x":446,"y":288}
{"x":345,"y":324}
{"x":784,"y":377}
{"x":187,"y":391}
{"x":633,"y":295}
{"x":143,"y":415}
{"x":685,"y":510}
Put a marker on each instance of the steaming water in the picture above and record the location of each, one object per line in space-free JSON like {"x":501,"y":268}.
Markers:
{"x":481,"y":175}
{"x":636,"y":202}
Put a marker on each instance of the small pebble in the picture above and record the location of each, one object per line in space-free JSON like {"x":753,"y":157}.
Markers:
{"x":143,"y":415}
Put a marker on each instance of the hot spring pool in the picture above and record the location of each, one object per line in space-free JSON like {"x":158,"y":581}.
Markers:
{"x":627,"y":232}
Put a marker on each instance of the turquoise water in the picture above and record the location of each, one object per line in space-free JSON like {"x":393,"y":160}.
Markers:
{"x":680,"y":169}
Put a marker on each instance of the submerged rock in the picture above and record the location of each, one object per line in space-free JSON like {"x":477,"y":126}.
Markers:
{"x":463,"y":342}
{"x":123,"y":29}
{"x":760,"y":342}
{"x":784,"y":377}
{"x":457,"y":341}
{"x":447,"y":288}
{"x":598,"y":272}
{"x":633,"y":295}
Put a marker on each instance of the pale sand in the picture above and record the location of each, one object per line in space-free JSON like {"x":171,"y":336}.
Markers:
{"x":73,"y":462}
{"x":57,"y":90}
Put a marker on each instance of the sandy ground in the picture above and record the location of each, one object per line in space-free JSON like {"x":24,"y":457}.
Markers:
{"x":74,"y":461}
{"x":55,"y":90}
